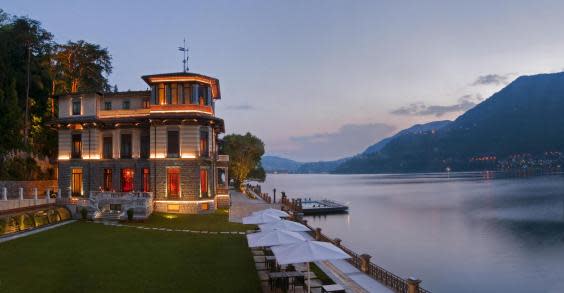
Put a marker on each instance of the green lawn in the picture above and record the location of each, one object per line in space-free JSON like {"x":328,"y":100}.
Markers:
{"x":217,"y":221}
{"x":88,"y":257}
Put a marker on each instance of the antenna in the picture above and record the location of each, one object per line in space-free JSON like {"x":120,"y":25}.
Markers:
{"x":184,"y":50}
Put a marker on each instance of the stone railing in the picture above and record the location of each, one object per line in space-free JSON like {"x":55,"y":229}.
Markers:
{"x":14,"y":189}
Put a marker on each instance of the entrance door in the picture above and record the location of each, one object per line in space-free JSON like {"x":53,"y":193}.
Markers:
{"x":127,"y":180}
{"x":76,"y":182}
{"x":173,"y":183}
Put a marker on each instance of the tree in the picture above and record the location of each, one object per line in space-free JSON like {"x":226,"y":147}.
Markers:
{"x":244,"y":153}
{"x":82,"y":66}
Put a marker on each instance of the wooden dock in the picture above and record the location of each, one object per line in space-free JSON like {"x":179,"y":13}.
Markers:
{"x":318,"y":207}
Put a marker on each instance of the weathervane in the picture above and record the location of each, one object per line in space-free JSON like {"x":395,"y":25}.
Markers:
{"x":185,"y":59}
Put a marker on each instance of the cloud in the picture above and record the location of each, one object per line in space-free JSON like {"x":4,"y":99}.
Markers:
{"x":348,"y":140}
{"x":242,"y":107}
{"x":464,"y":103}
{"x":492,"y":79}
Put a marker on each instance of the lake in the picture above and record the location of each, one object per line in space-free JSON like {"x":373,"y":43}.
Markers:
{"x":457,"y":232}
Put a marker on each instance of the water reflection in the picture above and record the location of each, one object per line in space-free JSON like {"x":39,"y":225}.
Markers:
{"x":464,"y":232}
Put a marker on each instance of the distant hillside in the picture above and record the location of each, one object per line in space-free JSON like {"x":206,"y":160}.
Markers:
{"x":321,"y":166}
{"x":277,"y":164}
{"x":525,"y":117}
{"x":417,"y":128}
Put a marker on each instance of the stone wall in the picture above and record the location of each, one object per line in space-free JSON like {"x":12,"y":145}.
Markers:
{"x":185,"y":207}
{"x":222,"y":201}
{"x":28,"y":186}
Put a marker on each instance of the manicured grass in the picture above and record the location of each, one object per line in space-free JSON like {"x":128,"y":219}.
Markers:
{"x":89,"y":257}
{"x":217,"y":221}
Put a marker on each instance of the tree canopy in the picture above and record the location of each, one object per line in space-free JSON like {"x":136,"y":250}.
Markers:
{"x":53,"y":69}
{"x":245,"y":152}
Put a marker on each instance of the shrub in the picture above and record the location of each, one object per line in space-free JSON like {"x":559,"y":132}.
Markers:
{"x":130,"y":214}
{"x":84,"y":213}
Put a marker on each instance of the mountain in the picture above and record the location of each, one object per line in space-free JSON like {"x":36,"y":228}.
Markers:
{"x":321,"y":166}
{"x":278,"y":164}
{"x":417,"y":128}
{"x":525,"y":117}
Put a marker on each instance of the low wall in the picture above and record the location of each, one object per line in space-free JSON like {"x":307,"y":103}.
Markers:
{"x":185,"y":207}
{"x":28,"y":186}
{"x":223,"y":201}
{"x":14,"y":204}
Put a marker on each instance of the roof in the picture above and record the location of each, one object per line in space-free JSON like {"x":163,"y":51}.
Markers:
{"x":185,"y":76}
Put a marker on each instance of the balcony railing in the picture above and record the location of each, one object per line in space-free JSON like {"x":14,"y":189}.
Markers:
{"x":123,"y":113}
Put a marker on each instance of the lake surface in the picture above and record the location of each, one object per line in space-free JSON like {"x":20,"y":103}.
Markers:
{"x":463,"y":232}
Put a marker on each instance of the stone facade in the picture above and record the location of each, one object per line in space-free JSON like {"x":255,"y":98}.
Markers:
{"x":170,"y":131}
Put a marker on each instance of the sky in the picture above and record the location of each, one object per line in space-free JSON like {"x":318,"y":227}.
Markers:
{"x":321,"y":80}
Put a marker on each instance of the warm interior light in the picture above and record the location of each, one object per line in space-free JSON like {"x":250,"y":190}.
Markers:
{"x":64,"y":157}
{"x":188,"y":156}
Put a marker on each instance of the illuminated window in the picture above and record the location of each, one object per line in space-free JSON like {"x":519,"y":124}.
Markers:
{"x":76,"y":152}
{"x":76,"y":182}
{"x":173,"y":183}
{"x":173,"y":144}
{"x":161,"y":94}
{"x":221,"y":177}
{"x":204,"y":143}
{"x":76,"y":105}
{"x":107,"y":152}
{"x":127,"y":179}
{"x":173,"y":208}
{"x":187,"y":89}
{"x":205,"y":206}
{"x":107,"y":105}
{"x":107,"y":179}
{"x":204,"y":183}
{"x":203,"y":95}
{"x":125,"y":146}
{"x":173,"y":93}
{"x":146,"y":180}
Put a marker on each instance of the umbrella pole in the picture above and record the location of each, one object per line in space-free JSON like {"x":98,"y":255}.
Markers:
{"x":308,"y":279}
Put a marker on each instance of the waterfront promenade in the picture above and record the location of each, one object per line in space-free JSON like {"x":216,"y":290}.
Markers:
{"x":340,"y":271}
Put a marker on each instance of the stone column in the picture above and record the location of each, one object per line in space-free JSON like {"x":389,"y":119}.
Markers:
{"x":364,"y":262}
{"x":413,"y":285}
{"x":318,"y":234}
{"x":337,"y":242}
{"x":21,"y":193}
{"x":35,"y":193}
{"x":4,"y":193}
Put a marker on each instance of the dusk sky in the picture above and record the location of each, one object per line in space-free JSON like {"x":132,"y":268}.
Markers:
{"x":319,"y":80}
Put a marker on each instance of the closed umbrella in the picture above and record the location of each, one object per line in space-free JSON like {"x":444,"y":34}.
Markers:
{"x":307,"y":251}
{"x":284,"y":225}
{"x":273,"y":212}
{"x":274,"y":237}
{"x":260,"y":219}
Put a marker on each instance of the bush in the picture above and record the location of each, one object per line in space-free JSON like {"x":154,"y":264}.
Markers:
{"x":84,"y":213}
{"x":130,"y":214}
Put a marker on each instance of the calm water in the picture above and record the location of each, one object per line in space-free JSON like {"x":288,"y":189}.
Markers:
{"x":463,"y":232}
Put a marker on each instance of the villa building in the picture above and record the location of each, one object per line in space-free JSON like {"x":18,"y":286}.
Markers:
{"x":162,"y":142}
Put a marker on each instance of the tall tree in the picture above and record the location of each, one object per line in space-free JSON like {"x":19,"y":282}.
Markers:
{"x":82,"y":66}
{"x":245,"y":152}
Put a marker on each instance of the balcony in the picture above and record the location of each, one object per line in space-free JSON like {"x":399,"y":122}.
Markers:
{"x":123,"y":113}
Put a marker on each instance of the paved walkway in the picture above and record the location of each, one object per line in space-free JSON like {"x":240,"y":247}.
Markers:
{"x":34,"y":231}
{"x":242,"y":206}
